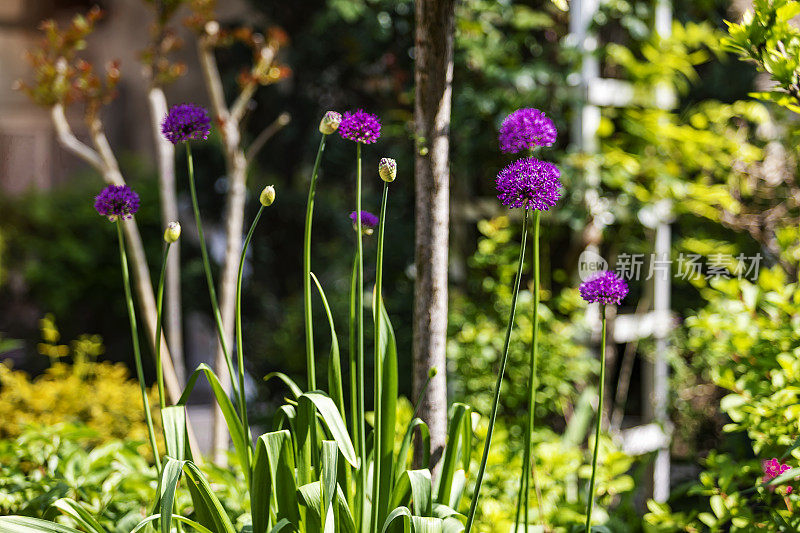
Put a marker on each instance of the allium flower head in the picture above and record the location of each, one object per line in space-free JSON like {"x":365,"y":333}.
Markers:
{"x":172,"y":232}
{"x":186,"y":122}
{"x":772,"y":469}
{"x":361,"y":127}
{"x":605,"y":288}
{"x":267,"y":196}
{"x":330,"y":122}
{"x":529,"y":183}
{"x":525,"y":129}
{"x":368,"y":222}
{"x":387,"y":168}
{"x":117,"y":201}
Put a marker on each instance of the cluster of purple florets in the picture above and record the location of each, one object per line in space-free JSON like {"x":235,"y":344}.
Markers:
{"x":528,"y":183}
{"x":525,"y":129}
{"x":604,"y":288}
{"x":117,"y":201}
{"x":186,"y":122}
{"x":368,"y":220}
{"x":361,"y":127}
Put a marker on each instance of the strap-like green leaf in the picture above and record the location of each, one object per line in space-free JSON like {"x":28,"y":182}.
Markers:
{"x":388,"y":413}
{"x":335,"y":387}
{"x":204,"y":497}
{"x":235,"y":427}
{"x":274,"y":492}
{"x":23,"y":524}
{"x":174,"y":421}
{"x":296,"y":391}
{"x":330,"y":466}
{"x":459,"y":438}
{"x":333,"y":422}
{"x":417,"y":484}
{"x":78,"y":513}
{"x":191,"y":523}
{"x":405,"y":447}
{"x":401,"y":514}
{"x":170,"y":477}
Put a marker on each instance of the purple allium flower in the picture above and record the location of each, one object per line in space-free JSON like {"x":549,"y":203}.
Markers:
{"x":186,"y":122}
{"x":524,"y":129}
{"x":772,"y":469}
{"x":368,"y":221}
{"x":117,"y":201}
{"x":604,"y":287}
{"x":529,"y":183}
{"x":361,"y":127}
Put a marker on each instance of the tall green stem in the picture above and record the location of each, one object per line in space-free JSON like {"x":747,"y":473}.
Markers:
{"x":479,"y":481}
{"x":137,"y":355}
{"x":590,"y":503}
{"x":239,"y":339}
{"x":310,"y":365}
{"x":360,"y":331}
{"x":159,"y":304}
{"x":524,"y":496}
{"x":377,"y":500}
{"x":212,"y":292}
{"x":354,"y":412}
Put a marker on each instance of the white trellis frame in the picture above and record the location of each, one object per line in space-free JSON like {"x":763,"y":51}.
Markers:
{"x":597,"y":92}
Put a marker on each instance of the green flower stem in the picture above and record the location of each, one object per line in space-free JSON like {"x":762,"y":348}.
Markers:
{"x":360,"y":333}
{"x":474,"y":505}
{"x":590,"y":503}
{"x":378,"y":365}
{"x":310,"y":365}
{"x":524,"y":496}
{"x":212,"y":292}
{"x":159,"y":304}
{"x":126,"y":281}
{"x":239,"y":339}
{"x":354,"y":411}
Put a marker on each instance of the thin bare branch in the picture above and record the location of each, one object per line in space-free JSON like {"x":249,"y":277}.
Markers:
{"x":265,"y":135}
{"x":69,"y":141}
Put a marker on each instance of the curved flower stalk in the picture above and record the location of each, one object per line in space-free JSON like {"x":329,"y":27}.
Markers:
{"x":184,"y":123}
{"x":266,"y":198}
{"x":117,"y":203}
{"x":385,"y":377}
{"x":171,"y":235}
{"x":604,"y":288}
{"x":328,"y":125}
{"x":361,"y":128}
{"x":526,"y":130}
{"x":534,"y":186}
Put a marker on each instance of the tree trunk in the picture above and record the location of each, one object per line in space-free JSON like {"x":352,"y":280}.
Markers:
{"x":165,"y":155}
{"x":433,"y":75}
{"x":234,"y":226}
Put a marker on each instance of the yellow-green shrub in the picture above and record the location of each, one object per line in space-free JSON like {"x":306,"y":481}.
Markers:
{"x":100,"y":395}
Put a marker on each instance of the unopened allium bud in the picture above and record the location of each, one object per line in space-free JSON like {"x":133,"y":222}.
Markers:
{"x":267,"y":196}
{"x":432,"y":372}
{"x":172,"y":233}
{"x":330,"y":122}
{"x":387,"y":168}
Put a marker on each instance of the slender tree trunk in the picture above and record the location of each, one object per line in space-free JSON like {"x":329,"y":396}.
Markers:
{"x":234,"y":225}
{"x":165,"y":155}
{"x":433,"y":75}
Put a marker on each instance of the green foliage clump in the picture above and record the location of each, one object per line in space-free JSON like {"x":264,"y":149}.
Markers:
{"x":745,"y":342}
{"x":477,"y":323}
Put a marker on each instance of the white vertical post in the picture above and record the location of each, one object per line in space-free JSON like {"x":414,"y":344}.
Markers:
{"x":661,"y":305}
